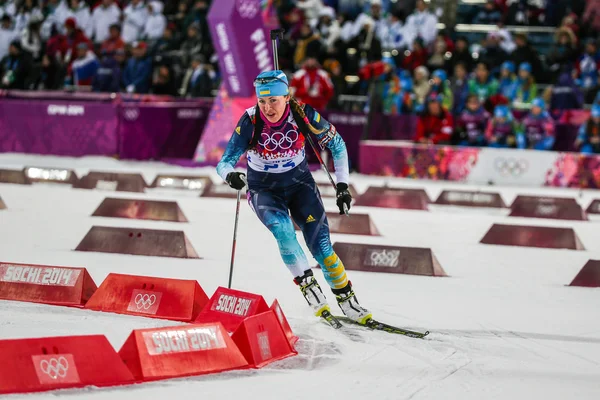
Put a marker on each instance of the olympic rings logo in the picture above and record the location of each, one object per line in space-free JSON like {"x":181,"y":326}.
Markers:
{"x":131,"y":114}
{"x":55,"y":367}
{"x":278,"y":140}
{"x":383,"y":258}
{"x":511,"y":166}
{"x":144,"y":301}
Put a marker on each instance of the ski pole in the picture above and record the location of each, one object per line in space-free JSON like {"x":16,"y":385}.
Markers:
{"x":235,"y":227}
{"x":278,"y":34}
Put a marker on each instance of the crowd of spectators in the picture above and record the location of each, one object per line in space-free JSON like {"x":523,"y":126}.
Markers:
{"x":392,"y":53}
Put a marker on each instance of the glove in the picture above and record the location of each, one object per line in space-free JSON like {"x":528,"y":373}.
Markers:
{"x":236,"y":180}
{"x":343,"y":197}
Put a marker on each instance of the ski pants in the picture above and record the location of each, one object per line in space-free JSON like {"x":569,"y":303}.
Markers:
{"x":279,"y":199}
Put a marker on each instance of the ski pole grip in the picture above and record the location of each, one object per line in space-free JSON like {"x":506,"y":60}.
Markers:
{"x":277,"y":33}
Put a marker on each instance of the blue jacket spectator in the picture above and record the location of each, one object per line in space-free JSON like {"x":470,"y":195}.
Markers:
{"x":85,"y":66}
{"x":538,"y":127}
{"x":489,"y":14}
{"x":108,"y":76}
{"x":588,"y":139}
{"x":508,"y":81}
{"x":565,"y":94}
{"x":138,"y":72}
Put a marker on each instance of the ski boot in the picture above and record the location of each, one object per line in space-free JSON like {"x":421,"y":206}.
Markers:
{"x":349,"y":305}
{"x":312,"y":292}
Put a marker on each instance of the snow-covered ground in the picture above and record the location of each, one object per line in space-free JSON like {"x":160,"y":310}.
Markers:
{"x":504,"y":324}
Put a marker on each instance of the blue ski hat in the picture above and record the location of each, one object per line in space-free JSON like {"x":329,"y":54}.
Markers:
{"x":441,"y":74}
{"x":271,"y":83}
{"x":525,"y":67}
{"x":538,"y":102}
{"x":596,"y":111}
{"x":508,"y":65}
{"x":501,"y":111}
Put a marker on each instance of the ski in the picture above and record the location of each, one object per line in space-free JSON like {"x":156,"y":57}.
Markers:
{"x":331,"y":320}
{"x":380,"y":326}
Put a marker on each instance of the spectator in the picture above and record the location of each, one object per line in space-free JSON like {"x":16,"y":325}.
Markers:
{"x":311,"y":85}
{"x":489,"y":14}
{"x":563,"y":51}
{"x":587,"y":68}
{"x":565,"y":95}
{"x":121,"y":58}
{"x":492,"y":54}
{"x":105,"y":15}
{"x":340,"y":86}
{"x":439,"y":86}
{"x":192,"y":45}
{"x":461,"y":54}
{"x":588,"y":139}
{"x":169,"y":42}
{"x":311,"y":9}
{"x":84,"y":67}
{"x":525,"y":12}
{"x":525,"y":53}
{"x":71,"y":40}
{"x":155,"y":22}
{"x":25,"y":11}
{"x":435,"y":125}
{"x":328,"y":29}
{"x":506,"y":41}
{"x":7,"y":34}
{"x":8,"y":7}
{"x":483,"y":84}
{"x":164,"y":82}
{"x":526,"y":87}
{"x":421,"y":24}
{"x":538,"y":127}
{"x":180,"y":16}
{"x":198,"y":14}
{"x":377,"y":17}
{"x":55,"y":12}
{"x":417,"y":57}
{"x":198,"y":79}
{"x":502,"y":130}
{"x":138,"y":72}
{"x":31,"y":39}
{"x":15,"y":67}
{"x":398,"y":97}
{"x":395,"y":39}
{"x":471,"y":124}
{"x":80,"y":11}
{"x":113,"y":41}
{"x":134,"y":20}
{"x":439,"y":58}
{"x":508,"y":81}
{"x":108,"y":75}
{"x":51,"y":77}
{"x":421,"y":87}
{"x":591,"y":16}
{"x":460,"y":88}
{"x":308,"y":45}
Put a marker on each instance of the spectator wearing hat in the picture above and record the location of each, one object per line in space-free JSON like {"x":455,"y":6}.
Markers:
{"x":311,"y":9}
{"x":15,"y":67}
{"x":440,"y":86}
{"x":508,"y":83}
{"x":168,"y":42}
{"x":489,"y":14}
{"x":31,"y":38}
{"x":7,"y":34}
{"x":108,"y":75}
{"x":565,"y":94}
{"x":138,"y":73}
{"x":163,"y":82}
{"x":134,"y":20}
{"x":155,"y":23}
{"x":198,"y":81}
{"x":502,"y":130}
{"x":105,"y":15}
{"x":471,"y":124}
{"x":483,"y":84}
{"x":79,"y":10}
{"x":588,"y":138}
{"x":25,"y":11}
{"x":84,"y":67}
{"x":526,"y":53}
{"x":435,"y":125}
{"x":114,"y":40}
{"x":421,"y":24}
{"x":376,"y":16}
{"x":461,"y":54}
{"x":192,"y":45}
{"x":396,"y":38}
{"x":526,"y":86}
{"x":68,"y":43}
{"x":459,"y":85}
{"x":420,"y":87}
{"x":492,"y":54}
{"x":587,"y":68}
{"x":417,"y":57}
{"x":307,"y":46}
{"x":563,"y":53}
{"x":538,"y":127}
{"x":328,"y":29}
{"x":311,"y":85}
{"x":440,"y":57}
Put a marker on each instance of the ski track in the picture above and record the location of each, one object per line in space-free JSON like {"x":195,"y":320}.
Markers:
{"x":503,"y":324}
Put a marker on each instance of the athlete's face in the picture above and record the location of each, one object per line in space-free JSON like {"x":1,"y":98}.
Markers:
{"x":273,"y":107}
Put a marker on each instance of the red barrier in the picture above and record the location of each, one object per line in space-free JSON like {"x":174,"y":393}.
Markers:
{"x":223,"y":191}
{"x":284,"y":323}
{"x":410,"y":199}
{"x":13,"y":176}
{"x":45,"y":284}
{"x":51,"y":175}
{"x":140,"y":209}
{"x":589,"y":276}
{"x":177,"y":351}
{"x":547,"y":207}
{"x":112,"y":181}
{"x":532,"y":236}
{"x":594,"y":207}
{"x":174,"y":299}
{"x":231,"y":307}
{"x":184,"y":182}
{"x":261,"y":340}
{"x":33,"y":365}
{"x":465,"y":198}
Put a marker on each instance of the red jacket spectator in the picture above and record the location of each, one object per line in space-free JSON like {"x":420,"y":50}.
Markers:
{"x":312,"y":85}
{"x":435,"y":126}
{"x":65,"y":46}
{"x":114,"y":41}
{"x":417,"y":57}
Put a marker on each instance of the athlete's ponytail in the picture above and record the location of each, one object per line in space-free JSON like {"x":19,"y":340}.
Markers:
{"x":298,"y":110}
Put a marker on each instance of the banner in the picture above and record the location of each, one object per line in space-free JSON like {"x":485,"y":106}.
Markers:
{"x":242,"y":42}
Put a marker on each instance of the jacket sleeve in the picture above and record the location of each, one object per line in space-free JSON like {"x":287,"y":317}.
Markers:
{"x":330,"y":138}
{"x":237,"y":146}
{"x":420,"y":129}
{"x":446,"y":131}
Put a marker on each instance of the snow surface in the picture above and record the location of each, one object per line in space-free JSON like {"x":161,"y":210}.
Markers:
{"x":504,"y":324}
